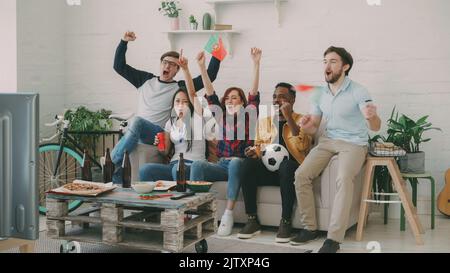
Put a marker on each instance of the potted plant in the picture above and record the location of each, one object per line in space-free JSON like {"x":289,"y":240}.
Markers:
{"x":170,"y":9}
{"x":193,"y":22}
{"x":408,"y":134}
{"x":83,"y":120}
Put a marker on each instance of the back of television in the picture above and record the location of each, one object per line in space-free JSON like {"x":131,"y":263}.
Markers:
{"x":5,"y":173}
{"x":19,"y":131}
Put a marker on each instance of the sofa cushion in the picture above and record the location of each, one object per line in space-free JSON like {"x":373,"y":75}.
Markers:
{"x":141,"y":155}
{"x":266,"y":194}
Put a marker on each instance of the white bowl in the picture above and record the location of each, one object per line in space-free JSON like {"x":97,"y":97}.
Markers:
{"x":144,"y":187}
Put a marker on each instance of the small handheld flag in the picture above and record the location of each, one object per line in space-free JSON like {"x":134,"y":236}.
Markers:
{"x":216,"y":47}
{"x":305,"y":88}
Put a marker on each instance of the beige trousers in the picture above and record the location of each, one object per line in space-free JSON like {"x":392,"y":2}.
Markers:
{"x":351,"y":158}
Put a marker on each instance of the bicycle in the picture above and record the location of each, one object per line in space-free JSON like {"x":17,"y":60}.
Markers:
{"x":60,"y":163}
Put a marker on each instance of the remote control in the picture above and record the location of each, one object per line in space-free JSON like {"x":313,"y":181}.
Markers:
{"x":182,"y":196}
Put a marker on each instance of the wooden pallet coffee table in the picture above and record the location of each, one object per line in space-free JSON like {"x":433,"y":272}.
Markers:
{"x":159,"y":225}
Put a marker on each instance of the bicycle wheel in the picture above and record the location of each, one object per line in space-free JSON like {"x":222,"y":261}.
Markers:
{"x":69,"y":170}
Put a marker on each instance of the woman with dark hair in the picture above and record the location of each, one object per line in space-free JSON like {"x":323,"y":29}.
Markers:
{"x":234,"y":120}
{"x":178,"y":139}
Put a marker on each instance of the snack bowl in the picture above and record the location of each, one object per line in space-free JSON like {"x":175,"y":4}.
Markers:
{"x":143,"y":187}
{"x":199,"y":186}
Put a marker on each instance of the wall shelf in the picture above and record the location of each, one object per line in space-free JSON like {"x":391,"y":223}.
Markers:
{"x":227,"y":36}
{"x":216,"y":3}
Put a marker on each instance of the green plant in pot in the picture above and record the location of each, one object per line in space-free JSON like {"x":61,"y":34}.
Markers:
{"x":84,"y":120}
{"x":193,"y":22}
{"x":171,"y":10}
{"x":408,"y":134}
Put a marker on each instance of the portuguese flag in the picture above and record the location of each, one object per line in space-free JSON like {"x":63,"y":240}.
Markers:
{"x":216,"y":48}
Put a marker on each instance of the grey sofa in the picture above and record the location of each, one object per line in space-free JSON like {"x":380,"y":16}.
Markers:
{"x":269,"y":198}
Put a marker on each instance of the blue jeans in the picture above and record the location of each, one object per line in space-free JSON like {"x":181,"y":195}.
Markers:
{"x":224,"y":170}
{"x":140,"y":131}
{"x":167,"y":172}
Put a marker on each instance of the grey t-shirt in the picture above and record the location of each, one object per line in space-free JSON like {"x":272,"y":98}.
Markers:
{"x":155,"y":100}
{"x":155,"y":96}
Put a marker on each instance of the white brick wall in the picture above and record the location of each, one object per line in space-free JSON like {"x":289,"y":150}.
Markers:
{"x":41,"y":55}
{"x":8,"y":54}
{"x":400,"y":50}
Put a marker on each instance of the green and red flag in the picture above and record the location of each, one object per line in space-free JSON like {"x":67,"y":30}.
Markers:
{"x":216,"y":48}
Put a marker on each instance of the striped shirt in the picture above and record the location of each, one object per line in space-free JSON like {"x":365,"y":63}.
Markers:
{"x":231,"y":144}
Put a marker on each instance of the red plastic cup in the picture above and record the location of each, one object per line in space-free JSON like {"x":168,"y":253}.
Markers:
{"x":162,"y":141}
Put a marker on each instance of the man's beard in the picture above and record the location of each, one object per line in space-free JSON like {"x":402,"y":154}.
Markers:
{"x":335,"y":77}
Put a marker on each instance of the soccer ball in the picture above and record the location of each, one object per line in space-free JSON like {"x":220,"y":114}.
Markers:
{"x":273,"y":155}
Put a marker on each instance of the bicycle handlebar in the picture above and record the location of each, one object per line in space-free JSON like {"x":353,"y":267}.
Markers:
{"x":53,"y":123}
{"x":59,"y":120}
{"x":122,"y":117}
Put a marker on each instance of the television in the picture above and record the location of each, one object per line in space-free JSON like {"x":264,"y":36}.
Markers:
{"x":19,"y":165}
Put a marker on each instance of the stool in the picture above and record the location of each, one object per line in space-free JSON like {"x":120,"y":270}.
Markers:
{"x":413,"y":179}
{"x":400,"y":187}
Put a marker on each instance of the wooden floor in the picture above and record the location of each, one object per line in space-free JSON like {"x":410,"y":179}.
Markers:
{"x":389,"y":237}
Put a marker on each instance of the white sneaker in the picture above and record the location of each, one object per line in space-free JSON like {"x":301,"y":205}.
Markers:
{"x":226,"y":225}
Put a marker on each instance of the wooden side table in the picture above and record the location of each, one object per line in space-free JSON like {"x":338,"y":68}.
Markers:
{"x":400,"y":187}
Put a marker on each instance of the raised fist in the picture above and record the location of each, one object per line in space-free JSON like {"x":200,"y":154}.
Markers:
{"x":369,"y":111}
{"x":129,"y":36}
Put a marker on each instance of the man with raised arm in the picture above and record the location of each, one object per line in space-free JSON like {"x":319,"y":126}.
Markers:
{"x":349,"y":113}
{"x":155,"y":94}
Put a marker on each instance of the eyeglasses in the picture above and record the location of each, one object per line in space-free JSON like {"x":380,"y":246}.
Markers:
{"x":171,"y":64}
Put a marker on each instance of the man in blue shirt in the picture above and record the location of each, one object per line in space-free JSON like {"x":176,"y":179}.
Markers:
{"x":347,"y":109}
